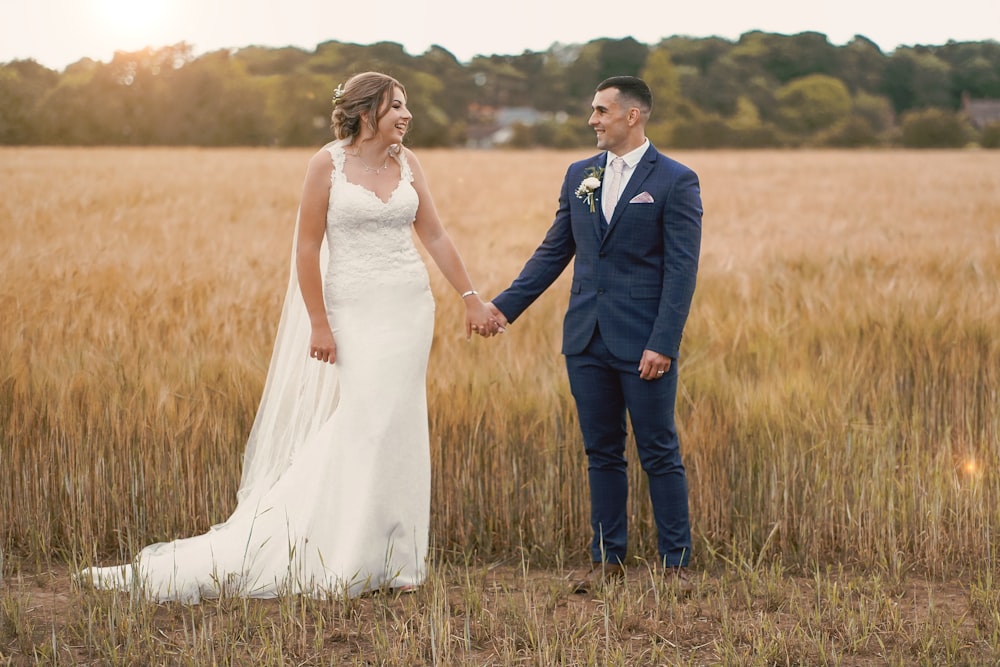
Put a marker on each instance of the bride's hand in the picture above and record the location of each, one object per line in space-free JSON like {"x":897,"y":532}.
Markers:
{"x":481,"y":320}
{"x":322,"y":346}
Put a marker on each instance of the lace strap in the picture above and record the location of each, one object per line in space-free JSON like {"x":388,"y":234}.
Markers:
{"x":405,"y":173}
{"x":337,"y":154}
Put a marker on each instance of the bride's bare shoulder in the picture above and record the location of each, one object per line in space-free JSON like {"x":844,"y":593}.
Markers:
{"x":321,"y":162}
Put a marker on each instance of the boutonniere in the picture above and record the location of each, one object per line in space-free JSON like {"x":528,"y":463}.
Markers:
{"x":591,"y":181}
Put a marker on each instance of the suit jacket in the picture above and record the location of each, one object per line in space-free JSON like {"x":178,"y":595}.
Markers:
{"x":636,"y":279}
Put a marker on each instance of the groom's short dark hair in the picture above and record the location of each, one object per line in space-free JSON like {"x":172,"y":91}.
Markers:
{"x":631,"y":87}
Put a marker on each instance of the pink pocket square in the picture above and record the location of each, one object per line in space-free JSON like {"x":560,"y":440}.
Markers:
{"x":641,"y":198}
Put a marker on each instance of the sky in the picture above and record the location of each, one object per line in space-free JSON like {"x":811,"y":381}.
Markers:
{"x":57,"y":33}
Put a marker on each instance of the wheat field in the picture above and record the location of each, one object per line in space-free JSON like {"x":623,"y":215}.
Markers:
{"x":838,"y":398}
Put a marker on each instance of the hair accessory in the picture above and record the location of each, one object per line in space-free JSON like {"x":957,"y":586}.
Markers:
{"x":338,"y":92}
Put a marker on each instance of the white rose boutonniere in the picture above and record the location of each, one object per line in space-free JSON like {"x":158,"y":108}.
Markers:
{"x":590,"y":183}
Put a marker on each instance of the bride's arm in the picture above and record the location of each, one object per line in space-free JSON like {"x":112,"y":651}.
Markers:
{"x":312,"y":227}
{"x":442,"y":250}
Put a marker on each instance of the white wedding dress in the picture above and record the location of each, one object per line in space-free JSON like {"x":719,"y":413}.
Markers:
{"x":335,"y":491}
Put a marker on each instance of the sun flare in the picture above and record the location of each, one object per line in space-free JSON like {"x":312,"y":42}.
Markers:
{"x":971,"y":467}
{"x":131,"y":16}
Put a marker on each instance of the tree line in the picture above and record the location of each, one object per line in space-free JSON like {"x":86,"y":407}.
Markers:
{"x":762,"y":90}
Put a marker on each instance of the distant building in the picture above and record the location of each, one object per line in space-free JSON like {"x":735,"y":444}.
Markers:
{"x":981,"y":112}
{"x":489,"y":126}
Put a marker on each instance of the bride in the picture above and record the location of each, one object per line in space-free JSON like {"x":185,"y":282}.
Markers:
{"x":335,"y":491}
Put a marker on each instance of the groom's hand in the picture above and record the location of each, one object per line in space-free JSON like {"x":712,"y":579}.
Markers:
{"x":499,"y":318}
{"x":653,"y":365}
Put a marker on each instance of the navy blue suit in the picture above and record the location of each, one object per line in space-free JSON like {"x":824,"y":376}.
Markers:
{"x":633,"y":281}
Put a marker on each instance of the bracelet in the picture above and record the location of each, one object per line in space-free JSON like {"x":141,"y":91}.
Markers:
{"x":469,"y":293}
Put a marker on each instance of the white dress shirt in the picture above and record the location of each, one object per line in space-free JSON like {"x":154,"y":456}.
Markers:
{"x":631,"y":159}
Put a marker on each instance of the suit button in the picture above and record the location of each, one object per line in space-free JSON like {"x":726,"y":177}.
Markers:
{"x":602,"y":255}
{"x":600,"y":290}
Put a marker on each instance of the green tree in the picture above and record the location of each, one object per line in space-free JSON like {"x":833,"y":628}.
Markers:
{"x":215,"y":103}
{"x":698,"y":53}
{"x":138,"y":85}
{"x":975,"y":69}
{"x":875,"y":109}
{"x":860,"y":65}
{"x":548,"y":90}
{"x":620,"y":57}
{"x":990,"y":136}
{"x":707,"y":132}
{"x":765,"y":89}
{"x":431,"y":126}
{"x":853,"y":131}
{"x":563,"y":131}
{"x":69,"y":114}
{"x":23,"y":86}
{"x":934,"y":128}
{"x":263,"y":61}
{"x":718,"y":88}
{"x":330,"y":58}
{"x":788,"y":57}
{"x":458,"y":86}
{"x":748,"y":130}
{"x":746,"y":116}
{"x":582,"y":75}
{"x":813,"y":103}
{"x":300,"y":105}
{"x":664,"y":81}
{"x":914,"y":78}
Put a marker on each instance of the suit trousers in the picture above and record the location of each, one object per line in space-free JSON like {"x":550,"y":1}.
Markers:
{"x":605,"y":389}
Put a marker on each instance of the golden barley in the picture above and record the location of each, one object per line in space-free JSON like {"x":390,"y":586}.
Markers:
{"x":839,"y":382}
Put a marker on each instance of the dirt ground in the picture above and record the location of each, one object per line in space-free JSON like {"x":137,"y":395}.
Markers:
{"x":721,"y":617}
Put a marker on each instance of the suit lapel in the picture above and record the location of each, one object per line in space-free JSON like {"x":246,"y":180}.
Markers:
{"x":597,"y":218}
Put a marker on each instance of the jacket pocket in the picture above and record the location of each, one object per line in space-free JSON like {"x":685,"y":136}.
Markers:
{"x":647,"y":292}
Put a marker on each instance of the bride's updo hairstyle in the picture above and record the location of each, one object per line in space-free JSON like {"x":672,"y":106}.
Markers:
{"x":363,"y":93}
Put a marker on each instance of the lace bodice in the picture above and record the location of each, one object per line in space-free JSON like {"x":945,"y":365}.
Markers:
{"x":370,"y":240}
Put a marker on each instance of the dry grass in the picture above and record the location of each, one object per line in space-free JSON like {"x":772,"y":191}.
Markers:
{"x":839,"y":393}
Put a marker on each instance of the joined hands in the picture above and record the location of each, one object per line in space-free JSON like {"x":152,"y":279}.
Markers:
{"x":492,"y":323}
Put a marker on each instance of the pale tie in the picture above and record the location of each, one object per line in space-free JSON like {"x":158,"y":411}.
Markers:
{"x":612,"y":187}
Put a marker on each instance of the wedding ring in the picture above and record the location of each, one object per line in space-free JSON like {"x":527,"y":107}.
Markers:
{"x":659,"y":372}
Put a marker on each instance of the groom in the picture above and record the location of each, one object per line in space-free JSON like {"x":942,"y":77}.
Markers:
{"x":634,"y":229}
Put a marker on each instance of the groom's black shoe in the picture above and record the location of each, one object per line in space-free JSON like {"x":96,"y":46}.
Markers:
{"x":600,"y":575}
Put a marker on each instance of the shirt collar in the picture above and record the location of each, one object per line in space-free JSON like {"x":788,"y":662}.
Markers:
{"x":632,"y":157}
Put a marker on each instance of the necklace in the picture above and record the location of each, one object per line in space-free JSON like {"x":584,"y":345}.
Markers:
{"x":370,"y":170}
